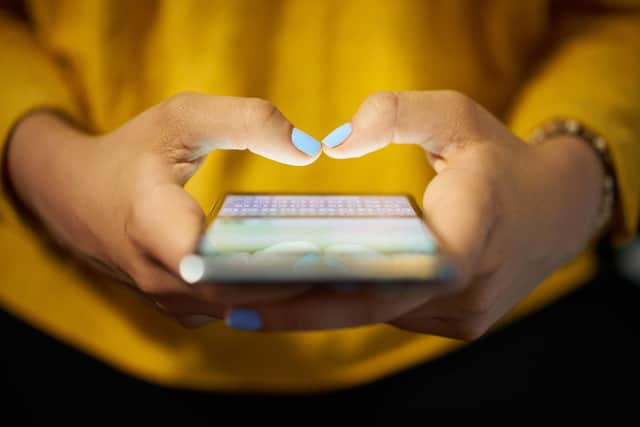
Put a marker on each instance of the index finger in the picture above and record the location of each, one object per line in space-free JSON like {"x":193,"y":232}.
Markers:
{"x":325,"y":309}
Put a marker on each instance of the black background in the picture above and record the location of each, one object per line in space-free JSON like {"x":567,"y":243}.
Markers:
{"x":575,"y":359}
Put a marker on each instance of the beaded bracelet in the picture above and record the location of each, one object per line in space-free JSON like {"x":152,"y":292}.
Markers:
{"x":599,"y":146}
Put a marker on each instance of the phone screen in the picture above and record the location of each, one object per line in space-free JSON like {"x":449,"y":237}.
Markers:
{"x":294,"y":237}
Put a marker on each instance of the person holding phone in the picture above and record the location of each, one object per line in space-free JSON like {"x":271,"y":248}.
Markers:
{"x":518,"y":132}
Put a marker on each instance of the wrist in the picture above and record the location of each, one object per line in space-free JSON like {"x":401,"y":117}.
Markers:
{"x":45,"y":156}
{"x":598,"y":146}
{"x":577,"y":176}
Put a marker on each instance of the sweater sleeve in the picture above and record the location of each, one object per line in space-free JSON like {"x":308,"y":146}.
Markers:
{"x":592,"y":74}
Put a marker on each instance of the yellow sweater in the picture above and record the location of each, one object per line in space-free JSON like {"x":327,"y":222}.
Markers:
{"x":103,"y":61}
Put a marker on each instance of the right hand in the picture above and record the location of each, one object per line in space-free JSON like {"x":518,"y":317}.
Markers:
{"x":117,"y":199}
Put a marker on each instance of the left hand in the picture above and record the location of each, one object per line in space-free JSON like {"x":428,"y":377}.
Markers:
{"x":507,"y":212}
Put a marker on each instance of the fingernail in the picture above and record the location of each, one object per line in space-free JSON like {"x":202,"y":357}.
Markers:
{"x":197,"y":320}
{"x":192,"y":268}
{"x":244,"y":318}
{"x":305,"y":142}
{"x":337,"y":136}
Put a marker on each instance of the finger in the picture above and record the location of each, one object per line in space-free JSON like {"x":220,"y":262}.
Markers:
{"x":324,"y":309}
{"x":477,"y":299}
{"x":442,"y":327}
{"x":195,"y":320}
{"x":174,"y":296}
{"x":242,"y":294}
{"x":166,"y":223}
{"x":171,"y":295}
{"x":439,"y":121}
{"x":468,"y":314}
{"x":195,"y":124}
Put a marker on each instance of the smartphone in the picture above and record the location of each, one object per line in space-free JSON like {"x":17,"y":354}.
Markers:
{"x":320,"y":238}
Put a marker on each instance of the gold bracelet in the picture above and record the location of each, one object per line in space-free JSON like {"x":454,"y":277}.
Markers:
{"x":599,"y":145}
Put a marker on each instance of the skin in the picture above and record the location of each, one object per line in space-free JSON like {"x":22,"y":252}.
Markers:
{"x":118,"y":197}
{"x":508,"y":213}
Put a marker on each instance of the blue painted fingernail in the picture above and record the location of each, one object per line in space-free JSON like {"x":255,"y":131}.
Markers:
{"x":304,"y":142}
{"x":244,"y":318}
{"x":337,"y":136}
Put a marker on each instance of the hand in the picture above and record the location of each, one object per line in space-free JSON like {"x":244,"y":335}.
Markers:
{"x":117,"y":199}
{"x":508,"y":213}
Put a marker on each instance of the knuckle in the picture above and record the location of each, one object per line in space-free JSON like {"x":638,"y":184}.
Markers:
{"x":461,"y":106}
{"x":385,"y":102}
{"x":172,"y":118}
{"x":260,"y":113}
{"x":456,"y":98}
{"x":177,"y":105}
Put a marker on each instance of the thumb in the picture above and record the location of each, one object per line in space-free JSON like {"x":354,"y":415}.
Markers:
{"x":459,"y":207}
{"x":441,"y":122}
{"x":166,"y":222}
{"x":191,"y":125}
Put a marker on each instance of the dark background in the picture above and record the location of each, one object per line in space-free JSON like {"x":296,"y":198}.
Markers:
{"x":575,"y":359}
